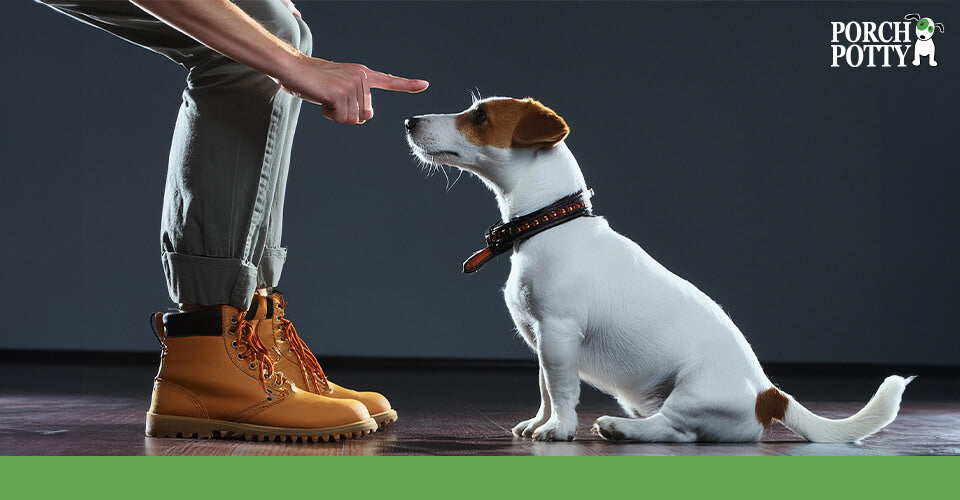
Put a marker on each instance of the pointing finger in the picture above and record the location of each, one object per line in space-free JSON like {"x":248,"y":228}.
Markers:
{"x":384,"y":81}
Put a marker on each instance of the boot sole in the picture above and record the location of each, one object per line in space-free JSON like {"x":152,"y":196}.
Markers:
{"x":171,"y":426}
{"x":385,"y":418}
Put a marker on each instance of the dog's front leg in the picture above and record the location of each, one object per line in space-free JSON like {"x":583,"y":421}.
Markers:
{"x":527,"y":427}
{"x":558,"y":350}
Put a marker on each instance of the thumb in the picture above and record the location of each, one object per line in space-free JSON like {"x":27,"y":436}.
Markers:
{"x":385,"y":81}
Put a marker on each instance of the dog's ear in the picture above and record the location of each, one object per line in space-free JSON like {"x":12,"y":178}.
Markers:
{"x":912,"y":17}
{"x":939,"y":26}
{"x":539,"y":125}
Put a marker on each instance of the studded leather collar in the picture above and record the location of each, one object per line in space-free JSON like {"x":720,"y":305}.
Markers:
{"x":502,"y":235}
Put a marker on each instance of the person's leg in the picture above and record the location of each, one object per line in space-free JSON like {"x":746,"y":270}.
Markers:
{"x":226,"y":172}
{"x":277,"y":333}
{"x":274,"y":255}
{"x":129,"y":22}
{"x":228,"y":158}
{"x":229,"y":155}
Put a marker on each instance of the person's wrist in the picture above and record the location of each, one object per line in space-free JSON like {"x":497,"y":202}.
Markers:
{"x":290,"y":64}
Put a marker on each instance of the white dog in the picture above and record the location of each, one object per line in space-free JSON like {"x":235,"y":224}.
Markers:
{"x":924,"y":30}
{"x":593,"y":305}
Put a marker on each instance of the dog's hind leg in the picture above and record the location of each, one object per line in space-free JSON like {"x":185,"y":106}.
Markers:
{"x":657,"y":428}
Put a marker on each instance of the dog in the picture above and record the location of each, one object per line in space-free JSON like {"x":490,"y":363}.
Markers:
{"x":924,"y":30}
{"x":593,"y":305}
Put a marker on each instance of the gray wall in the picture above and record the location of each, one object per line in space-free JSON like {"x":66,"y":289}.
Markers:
{"x":819,"y":206}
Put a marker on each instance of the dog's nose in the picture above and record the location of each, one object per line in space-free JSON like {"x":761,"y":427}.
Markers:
{"x":411,"y":123}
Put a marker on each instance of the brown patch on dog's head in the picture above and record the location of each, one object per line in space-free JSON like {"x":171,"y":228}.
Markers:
{"x":508,"y":123}
{"x":771,"y":405}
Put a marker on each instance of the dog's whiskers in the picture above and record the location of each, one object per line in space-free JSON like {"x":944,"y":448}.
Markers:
{"x":432,"y":167}
{"x":447,"y":177}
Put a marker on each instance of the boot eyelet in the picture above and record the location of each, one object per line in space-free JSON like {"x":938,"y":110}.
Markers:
{"x":269,"y":398}
{"x":239,"y":356}
{"x":233,"y":321}
{"x":232,"y":330}
{"x":233,"y":344}
{"x":253,"y":366}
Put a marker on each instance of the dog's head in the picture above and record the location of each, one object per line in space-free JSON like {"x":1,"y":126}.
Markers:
{"x":925,"y":26}
{"x":495,"y":138}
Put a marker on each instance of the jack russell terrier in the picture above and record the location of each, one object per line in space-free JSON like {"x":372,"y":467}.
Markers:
{"x":593,"y":305}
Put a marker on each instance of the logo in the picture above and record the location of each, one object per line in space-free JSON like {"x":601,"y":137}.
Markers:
{"x":886,"y":45}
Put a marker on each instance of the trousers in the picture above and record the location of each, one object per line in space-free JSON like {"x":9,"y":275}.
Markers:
{"x":229,"y":157}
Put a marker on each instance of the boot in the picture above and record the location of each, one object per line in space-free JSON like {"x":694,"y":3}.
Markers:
{"x":217,"y":380}
{"x":294,"y":358}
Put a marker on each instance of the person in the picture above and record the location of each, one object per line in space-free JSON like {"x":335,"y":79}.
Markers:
{"x":232,"y":363}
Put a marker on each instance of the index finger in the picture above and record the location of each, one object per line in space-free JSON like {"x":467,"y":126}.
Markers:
{"x":384,"y":81}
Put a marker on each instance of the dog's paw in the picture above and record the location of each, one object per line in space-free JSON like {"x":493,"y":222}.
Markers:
{"x":606,"y":427}
{"x":555,"y":430}
{"x":526,"y":428}
{"x":933,"y":63}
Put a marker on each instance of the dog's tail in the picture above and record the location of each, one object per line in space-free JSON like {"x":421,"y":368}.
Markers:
{"x":879,"y":411}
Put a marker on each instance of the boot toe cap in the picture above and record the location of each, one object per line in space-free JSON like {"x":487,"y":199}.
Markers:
{"x":309,"y":411}
{"x":374,"y":402}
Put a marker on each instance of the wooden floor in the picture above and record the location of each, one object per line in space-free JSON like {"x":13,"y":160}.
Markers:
{"x":83,"y":410}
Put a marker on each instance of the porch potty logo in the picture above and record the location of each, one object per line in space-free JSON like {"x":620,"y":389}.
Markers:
{"x":886,"y":44}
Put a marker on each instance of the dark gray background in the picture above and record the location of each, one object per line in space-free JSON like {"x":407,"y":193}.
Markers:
{"x":818,"y":205}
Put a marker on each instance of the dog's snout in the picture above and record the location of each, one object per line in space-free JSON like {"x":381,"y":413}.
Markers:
{"x":411,"y":123}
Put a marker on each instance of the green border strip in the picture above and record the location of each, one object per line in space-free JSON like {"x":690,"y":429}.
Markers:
{"x":583,"y":478}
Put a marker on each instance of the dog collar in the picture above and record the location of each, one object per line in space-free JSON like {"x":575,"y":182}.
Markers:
{"x":502,"y":235}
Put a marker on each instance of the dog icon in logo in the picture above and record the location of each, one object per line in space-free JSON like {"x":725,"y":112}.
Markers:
{"x":925,"y":30}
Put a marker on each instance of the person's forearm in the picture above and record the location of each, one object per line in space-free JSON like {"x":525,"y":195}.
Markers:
{"x":224,"y":27}
{"x":343,"y":89}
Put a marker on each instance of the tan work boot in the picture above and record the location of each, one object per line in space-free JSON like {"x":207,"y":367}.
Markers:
{"x":217,"y":380}
{"x":293,"y":357}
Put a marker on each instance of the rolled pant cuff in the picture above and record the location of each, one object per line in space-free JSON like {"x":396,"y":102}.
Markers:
{"x":193,"y":279}
{"x":271,"y":264}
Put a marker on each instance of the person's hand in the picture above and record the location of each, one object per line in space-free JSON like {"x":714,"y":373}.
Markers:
{"x":343,"y":89}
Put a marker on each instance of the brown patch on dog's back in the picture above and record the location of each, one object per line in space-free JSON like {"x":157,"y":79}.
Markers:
{"x":771,"y":405}
{"x":512,"y":123}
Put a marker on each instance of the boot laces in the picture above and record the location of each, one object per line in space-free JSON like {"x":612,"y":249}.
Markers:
{"x":249,"y":344}
{"x":308,"y":362}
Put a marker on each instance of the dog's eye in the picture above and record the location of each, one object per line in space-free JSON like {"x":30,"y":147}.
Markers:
{"x":478,"y":116}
